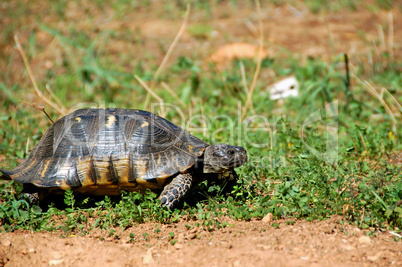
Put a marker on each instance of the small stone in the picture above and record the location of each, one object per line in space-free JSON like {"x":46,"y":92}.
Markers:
{"x":304,"y":258}
{"x":56,"y":255}
{"x":24,"y":251}
{"x":267,"y":218}
{"x":347,"y":247}
{"x":6,"y":243}
{"x":31,"y":250}
{"x":178,"y":246}
{"x":376,"y":256}
{"x":364,"y":240}
{"x":148,"y":258}
{"x":264,"y":247}
{"x":191,"y":236}
{"x":55,"y":262}
{"x":48,"y":64}
{"x":328,"y":229}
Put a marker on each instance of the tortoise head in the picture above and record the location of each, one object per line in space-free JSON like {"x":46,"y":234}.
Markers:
{"x":221,"y":158}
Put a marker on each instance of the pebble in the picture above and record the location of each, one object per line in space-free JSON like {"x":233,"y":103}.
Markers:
{"x":55,"y":262}
{"x":267,"y":218}
{"x":347,"y":247}
{"x":191,"y":236}
{"x":148,"y":258}
{"x":6,"y":243}
{"x":56,"y":255}
{"x":178,"y":246}
{"x":375,"y":257}
{"x":264,"y":247}
{"x":364,"y":240}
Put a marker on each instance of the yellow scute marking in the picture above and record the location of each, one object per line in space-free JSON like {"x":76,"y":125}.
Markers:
{"x":110,"y":120}
{"x":42,"y":174}
{"x":87,"y":181}
{"x":64,"y":186}
{"x":144,"y":124}
{"x":83,"y":168}
{"x":141,"y":167}
{"x":30,"y":165}
{"x":122,"y":169}
{"x":78,"y":119}
{"x":103,"y":170}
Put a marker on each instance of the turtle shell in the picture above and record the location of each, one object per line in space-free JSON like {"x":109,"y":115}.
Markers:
{"x":102,"y":151}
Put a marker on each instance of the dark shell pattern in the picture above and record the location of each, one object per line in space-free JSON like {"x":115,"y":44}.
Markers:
{"x":101,"y":151}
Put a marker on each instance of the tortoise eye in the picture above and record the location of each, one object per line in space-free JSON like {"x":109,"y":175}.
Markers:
{"x":231,"y":152}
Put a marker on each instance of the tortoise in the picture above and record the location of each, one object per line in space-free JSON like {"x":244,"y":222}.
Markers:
{"x":105,"y":151}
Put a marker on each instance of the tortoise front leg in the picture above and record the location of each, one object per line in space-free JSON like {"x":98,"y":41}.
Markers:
{"x":175,"y":192}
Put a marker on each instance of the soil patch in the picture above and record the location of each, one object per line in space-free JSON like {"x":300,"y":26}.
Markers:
{"x":254,"y":243}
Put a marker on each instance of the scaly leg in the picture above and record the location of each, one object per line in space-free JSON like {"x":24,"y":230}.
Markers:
{"x":174,"y":193}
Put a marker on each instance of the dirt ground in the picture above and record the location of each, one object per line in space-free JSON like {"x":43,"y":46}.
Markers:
{"x":240,"y":244}
{"x":255,"y":243}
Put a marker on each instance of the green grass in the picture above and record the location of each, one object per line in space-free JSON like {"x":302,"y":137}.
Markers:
{"x":283,"y":176}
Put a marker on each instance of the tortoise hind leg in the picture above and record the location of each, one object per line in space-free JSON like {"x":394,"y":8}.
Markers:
{"x":33,"y":193}
{"x":174,"y":193}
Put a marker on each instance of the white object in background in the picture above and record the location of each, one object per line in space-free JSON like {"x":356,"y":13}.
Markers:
{"x":285,"y":88}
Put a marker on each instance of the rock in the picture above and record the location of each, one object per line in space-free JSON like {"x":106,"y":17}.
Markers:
{"x":267,"y":218}
{"x":364,"y":240}
{"x":372,"y":258}
{"x":55,"y":262}
{"x":178,"y":246}
{"x":347,"y":247}
{"x":264,"y":247}
{"x":375,"y":257}
{"x":329,"y":229}
{"x":6,"y":243}
{"x":191,"y":236}
{"x":148,"y":258}
{"x":56,"y":255}
{"x":234,"y":51}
